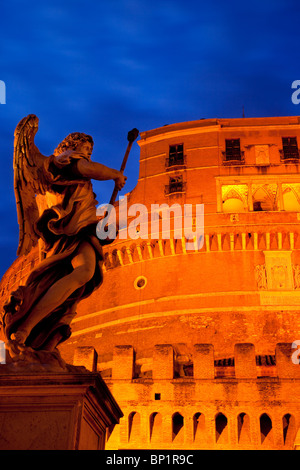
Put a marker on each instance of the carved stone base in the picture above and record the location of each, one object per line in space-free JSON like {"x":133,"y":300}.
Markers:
{"x":66,"y":410}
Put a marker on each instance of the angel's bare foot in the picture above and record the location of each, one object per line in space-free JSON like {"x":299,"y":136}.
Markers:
{"x":19,"y":336}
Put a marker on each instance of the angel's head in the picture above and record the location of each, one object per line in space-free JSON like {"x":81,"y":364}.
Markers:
{"x":77,"y":141}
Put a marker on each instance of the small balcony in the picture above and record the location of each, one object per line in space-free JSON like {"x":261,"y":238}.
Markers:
{"x":291,"y":156}
{"x":175,"y":186}
{"x":237,"y":158}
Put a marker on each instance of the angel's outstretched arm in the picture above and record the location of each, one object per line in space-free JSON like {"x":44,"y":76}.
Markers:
{"x":97,"y":171}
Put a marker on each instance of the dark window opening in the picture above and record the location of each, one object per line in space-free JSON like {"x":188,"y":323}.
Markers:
{"x":290,"y":149}
{"x":257,"y":206}
{"x":176,"y":155}
{"x":289,"y":429}
{"x":109,"y":431}
{"x":221,"y":425}
{"x":233,"y":150}
{"x":177,"y":424}
{"x":265,"y":426}
{"x":140,"y":283}
{"x":175,"y":185}
{"x":285,"y":422}
{"x":157,"y":396}
{"x":243,"y":428}
{"x":155,"y":427}
{"x":133,"y":425}
{"x":198,"y":425}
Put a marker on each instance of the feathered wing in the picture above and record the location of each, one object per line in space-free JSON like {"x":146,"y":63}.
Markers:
{"x":29,"y":180}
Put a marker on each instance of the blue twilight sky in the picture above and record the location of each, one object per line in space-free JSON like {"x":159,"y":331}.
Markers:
{"x":104,"y":67}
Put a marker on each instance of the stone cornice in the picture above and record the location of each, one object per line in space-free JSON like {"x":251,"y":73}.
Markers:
{"x":135,"y":251}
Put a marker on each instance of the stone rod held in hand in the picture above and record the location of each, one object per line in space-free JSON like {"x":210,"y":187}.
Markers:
{"x":131,"y":137}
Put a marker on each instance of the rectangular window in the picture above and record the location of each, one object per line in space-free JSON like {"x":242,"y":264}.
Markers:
{"x":290,"y":148}
{"x":176,"y":155}
{"x":233,"y":150}
{"x":175,"y":185}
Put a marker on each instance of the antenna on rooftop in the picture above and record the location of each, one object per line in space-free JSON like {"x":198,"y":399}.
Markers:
{"x":243,"y":111}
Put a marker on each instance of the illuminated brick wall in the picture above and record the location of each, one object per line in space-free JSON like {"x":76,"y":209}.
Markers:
{"x":247,"y":402}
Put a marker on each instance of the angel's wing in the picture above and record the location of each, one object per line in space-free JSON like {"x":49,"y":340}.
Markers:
{"x":29,"y":180}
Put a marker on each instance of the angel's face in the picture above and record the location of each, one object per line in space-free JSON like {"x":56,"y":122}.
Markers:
{"x":85,"y":149}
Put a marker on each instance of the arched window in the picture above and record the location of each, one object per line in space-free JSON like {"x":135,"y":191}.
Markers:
{"x":198,"y":426}
{"x":115,"y":258}
{"x":264,"y":197}
{"x":155,"y":427}
{"x":243,"y":423}
{"x":235,"y":198}
{"x":266,"y":429}
{"x":290,"y":201}
{"x":134,"y":426}
{"x":233,"y":205}
{"x":289,"y":429}
{"x":107,"y":261}
{"x":177,"y":427}
{"x":221,"y":428}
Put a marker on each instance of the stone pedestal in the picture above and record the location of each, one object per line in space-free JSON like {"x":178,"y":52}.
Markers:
{"x":68,"y":410}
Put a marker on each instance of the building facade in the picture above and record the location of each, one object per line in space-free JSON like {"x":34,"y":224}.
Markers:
{"x":197,"y":337}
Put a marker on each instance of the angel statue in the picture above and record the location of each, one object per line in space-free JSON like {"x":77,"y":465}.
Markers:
{"x":56,"y":209}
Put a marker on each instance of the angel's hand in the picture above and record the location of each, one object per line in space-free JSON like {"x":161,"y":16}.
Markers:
{"x":120,"y":181}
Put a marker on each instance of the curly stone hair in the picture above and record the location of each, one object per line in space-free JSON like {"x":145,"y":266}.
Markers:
{"x":72,"y":141}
